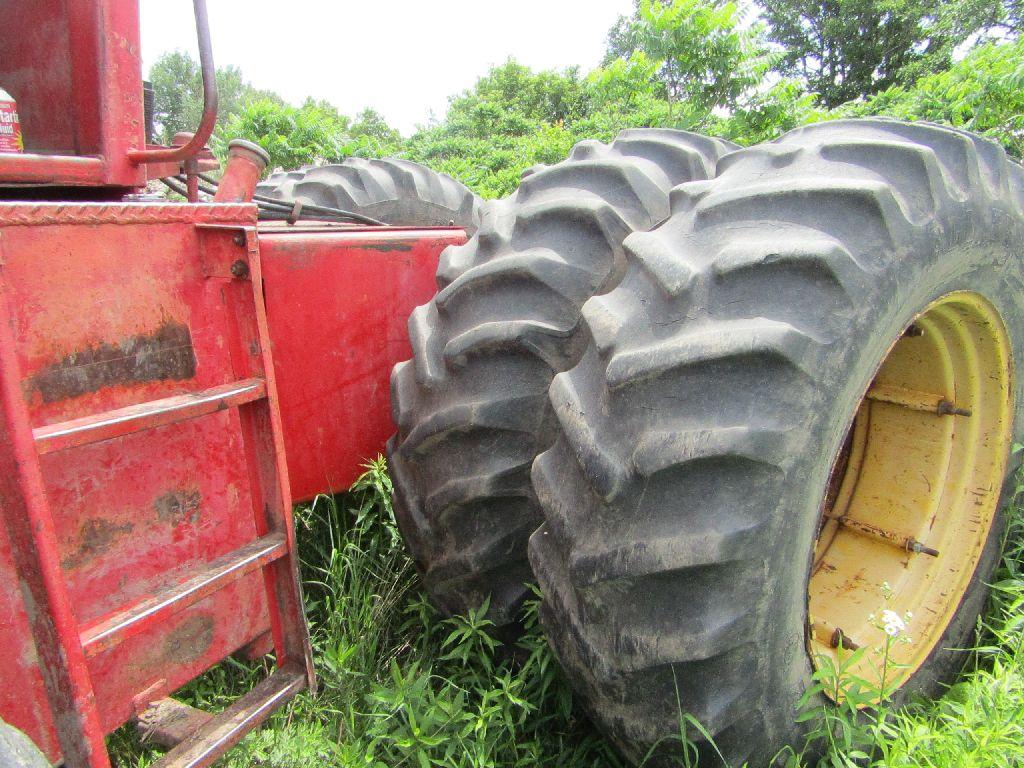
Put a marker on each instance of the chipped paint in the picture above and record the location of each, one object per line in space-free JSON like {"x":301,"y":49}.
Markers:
{"x":165,"y":354}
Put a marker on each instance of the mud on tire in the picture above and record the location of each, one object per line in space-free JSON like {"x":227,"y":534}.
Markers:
{"x":682,"y":497}
{"x":471,"y":406}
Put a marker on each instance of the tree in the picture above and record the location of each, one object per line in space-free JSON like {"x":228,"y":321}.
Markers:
{"x":293,"y":136}
{"x":983,"y":92}
{"x":849,"y":49}
{"x":511,"y":119}
{"x":706,"y":57}
{"x":178,"y":94}
{"x":379,"y":138}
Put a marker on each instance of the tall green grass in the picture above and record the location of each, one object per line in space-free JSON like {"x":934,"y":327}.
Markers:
{"x":402,"y":686}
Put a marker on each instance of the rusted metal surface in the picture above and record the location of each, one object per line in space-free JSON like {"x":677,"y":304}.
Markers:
{"x":246,"y":163}
{"x":915,"y":400}
{"x":162,"y":484}
{"x":75,"y":70}
{"x":832,"y":637}
{"x":210,"y":98}
{"x":147,"y":345}
{"x":127,"y":214}
{"x":226,"y":729}
{"x":115,"y":629}
{"x":169,"y":722}
{"x":149,"y":415}
{"x":29,"y":168}
{"x":906,"y":543}
{"x":42,"y":609}
{"x":163,"y":354}
{"x":352,"y":290}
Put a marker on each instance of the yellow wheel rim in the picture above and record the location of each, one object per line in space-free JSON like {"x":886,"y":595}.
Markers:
{"x":915,"y":489}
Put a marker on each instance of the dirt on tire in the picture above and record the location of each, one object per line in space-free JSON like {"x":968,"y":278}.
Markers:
{"x":471,"y":406}
{"x":681,"y":498}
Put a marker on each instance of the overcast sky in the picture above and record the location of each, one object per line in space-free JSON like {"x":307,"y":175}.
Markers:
{"x":403,"y":58}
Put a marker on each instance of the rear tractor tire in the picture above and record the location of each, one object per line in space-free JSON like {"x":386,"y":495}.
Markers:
{"x":471,"y":406}
{"x":804,"y":389}
{"x":396,"y":192}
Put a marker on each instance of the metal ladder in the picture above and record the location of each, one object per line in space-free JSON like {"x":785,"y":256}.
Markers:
{"x":63,"y":646}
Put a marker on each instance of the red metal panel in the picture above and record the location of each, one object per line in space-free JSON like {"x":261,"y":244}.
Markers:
{"x":40,"y":84}
{"x":337,"y":305}
{"x":48,"y":613}
{"x":23,"y":700}
{"x":75,"y":69}
{"x":155,"y":413}
{"x":111,"y":307}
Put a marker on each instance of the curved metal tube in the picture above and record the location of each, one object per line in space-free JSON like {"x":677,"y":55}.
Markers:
{"x":209,"y":120}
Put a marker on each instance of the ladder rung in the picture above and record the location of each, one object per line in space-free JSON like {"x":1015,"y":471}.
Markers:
{"x":226,"y":729}
{"x":155,"y":413}
{"x":216,"y":575}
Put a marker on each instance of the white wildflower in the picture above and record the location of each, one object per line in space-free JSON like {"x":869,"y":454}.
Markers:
{"x":893,"y":625}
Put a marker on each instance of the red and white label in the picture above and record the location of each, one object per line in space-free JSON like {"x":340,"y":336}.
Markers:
{"x":10,"y":129}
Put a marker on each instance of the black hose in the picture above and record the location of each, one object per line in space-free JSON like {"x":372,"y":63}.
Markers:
{"x":272,"y":209}
{"x":171,"y":183}
{"x":290,"y":204}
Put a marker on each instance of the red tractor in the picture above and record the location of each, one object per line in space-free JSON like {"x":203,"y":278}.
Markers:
{"x":711,"y":399}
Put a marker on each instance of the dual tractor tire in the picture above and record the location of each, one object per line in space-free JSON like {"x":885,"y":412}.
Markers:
{"x":846,"y":271}
{"x":471,"y":406}
{"x":715,"y":405}
{"x":396,"y":192}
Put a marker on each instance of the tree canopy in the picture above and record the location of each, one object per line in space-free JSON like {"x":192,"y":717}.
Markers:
{"x":701,"y":65}
{"x":178,"y":94}
{"x":847,"y":49}
{"x":705,"y":55}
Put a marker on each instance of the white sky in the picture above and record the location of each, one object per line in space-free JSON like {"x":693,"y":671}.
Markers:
{"x":403,"y":58}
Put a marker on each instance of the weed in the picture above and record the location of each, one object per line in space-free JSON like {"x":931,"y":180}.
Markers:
{"x":399,"y":684}
{"x":402,"y":686}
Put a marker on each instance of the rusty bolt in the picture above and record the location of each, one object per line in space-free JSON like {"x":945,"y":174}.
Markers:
{"x":239,"y":239}
{"x":240,"y":269}
{"x":913,"y":545}
{"x":946,"y":408}
{"x":839,"y":639}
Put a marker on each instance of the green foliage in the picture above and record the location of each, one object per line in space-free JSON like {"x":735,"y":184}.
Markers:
{"x":314,"y":132}
{"x":399,"y":685}
{"x":376,"y":137}
{"x":849,"y":49}
{"x":705,"y":56}
{"x":293,"y":136}
{"x":510,"y":120}
{"x":983,"y":93}
{"x":178,"y":94}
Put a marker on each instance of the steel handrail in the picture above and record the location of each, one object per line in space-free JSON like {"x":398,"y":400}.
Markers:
{"x":210,"y":97}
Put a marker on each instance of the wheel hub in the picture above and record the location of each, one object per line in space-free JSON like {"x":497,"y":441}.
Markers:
{"x":915,"y":489}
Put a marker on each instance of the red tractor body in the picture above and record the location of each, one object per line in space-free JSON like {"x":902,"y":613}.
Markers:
{"x":174,"y":376}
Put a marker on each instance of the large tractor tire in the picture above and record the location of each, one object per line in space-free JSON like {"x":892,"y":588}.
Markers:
{"x":802,"y":390}
{"x":396,"y":192}
{"x":471,"y":406}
